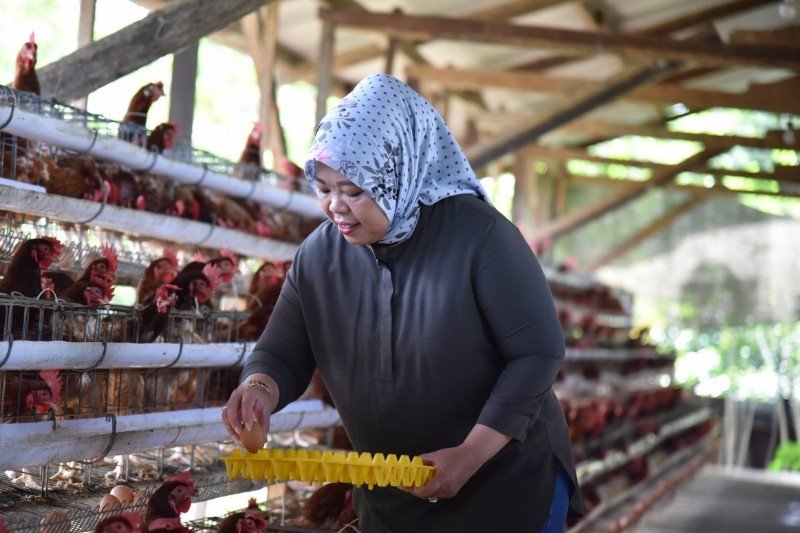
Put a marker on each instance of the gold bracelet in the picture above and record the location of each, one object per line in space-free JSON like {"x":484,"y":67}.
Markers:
{"x":260,"y":384}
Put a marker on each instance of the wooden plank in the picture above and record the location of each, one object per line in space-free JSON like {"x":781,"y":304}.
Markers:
{"x":513,"y":9}
{"x":700,"y":16}
{"x":717,"y":188}
{"x":780,"y":173}
{"x":85,"y":35}
{"x":780,"y":97}
{"x":645,"y":47}
{"x":620,"y":198}
{"x":653,"y":228}
{"x":159,"y":33}
{"x":560,"y":115}
{"x":594,"y":128}
{"x":183,"y":89}
{"x":324,"y":68}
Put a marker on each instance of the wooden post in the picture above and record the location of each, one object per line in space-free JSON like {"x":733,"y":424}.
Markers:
{"x":178,"y":23}
{"x":183,"y":89}
{"x":261,"y":32}
{"x":526,"y":194}
{"x":648,"y":231}
{"x":325,"y":68}
{"x":85,"y":36}
{"x":622,"y":197}
{"x":391,"y":52}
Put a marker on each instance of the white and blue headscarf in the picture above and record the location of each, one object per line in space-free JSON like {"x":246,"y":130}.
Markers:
{"x":392,"y":143}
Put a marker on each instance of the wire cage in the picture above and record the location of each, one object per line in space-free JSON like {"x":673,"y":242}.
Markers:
{"x":135,"y":134}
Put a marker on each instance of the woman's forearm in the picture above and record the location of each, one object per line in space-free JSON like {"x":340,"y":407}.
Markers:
{"x":483,"y":443}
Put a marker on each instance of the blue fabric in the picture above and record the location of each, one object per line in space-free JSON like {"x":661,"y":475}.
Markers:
{"x":392,"y":143}
{"x":557,"y":517}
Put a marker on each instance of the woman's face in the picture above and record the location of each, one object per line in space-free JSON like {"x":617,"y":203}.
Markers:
{"x":357,"y":216}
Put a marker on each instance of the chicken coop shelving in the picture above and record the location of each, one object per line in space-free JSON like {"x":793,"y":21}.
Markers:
{"x":42,"y":443}
{"x":74,"y":129}
{"x":145,"y":224}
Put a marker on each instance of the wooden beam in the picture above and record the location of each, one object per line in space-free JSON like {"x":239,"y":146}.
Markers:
{"x":183,"y":89}
{"x":620,"y":198}
{"x":781,"y":173}
{"x":655,"y":227}
{"x":583,"y":103}
{"x":780,"y":97}
{"x":261,"y":31}
{"x":700,"y":16}
{"x":644,"y":47}
{"x":512,"y":9}
{"x":717,"y":188}
{"x":85,"y":34}
{"x":594,"y":128}
{"x":324,"y":68}
{"x":161,"y":32}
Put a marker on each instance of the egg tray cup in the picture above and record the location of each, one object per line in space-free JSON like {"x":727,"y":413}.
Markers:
{"x":328,"y":466}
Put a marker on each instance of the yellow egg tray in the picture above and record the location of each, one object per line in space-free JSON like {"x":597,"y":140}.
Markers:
{"x":328,"y":466}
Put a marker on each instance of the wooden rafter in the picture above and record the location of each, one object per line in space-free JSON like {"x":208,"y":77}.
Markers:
{"x":161,"y":32}
{"x":781,"y":173}
{"x":701,"y":16}
{"x":619,"y":198}
{"x":780,"y":97}
{"x":428,"y":27}
{"x":585,"y":101}
{"x":716,"y":188}
{"x":653,"y":228}
{"x":324,"y":68}
{"x":593,"y":128}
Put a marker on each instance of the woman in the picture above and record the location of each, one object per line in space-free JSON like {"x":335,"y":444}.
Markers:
{"x":429,"y":319}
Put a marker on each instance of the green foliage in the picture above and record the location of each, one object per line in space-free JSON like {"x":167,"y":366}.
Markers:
{"x":787,"y":457}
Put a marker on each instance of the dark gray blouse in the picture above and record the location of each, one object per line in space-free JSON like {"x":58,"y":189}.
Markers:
{"x":420,"y":341}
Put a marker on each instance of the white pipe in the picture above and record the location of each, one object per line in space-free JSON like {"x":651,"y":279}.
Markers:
{"x":142,"y":223}
{"x":74,"y":137}
{"x":63,"y":355}
{"x":36,"y":443}
{"x":612,"y":354}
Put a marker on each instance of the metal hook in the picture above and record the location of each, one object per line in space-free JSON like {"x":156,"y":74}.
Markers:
{"x":51,"y":415}
{"x":9,"y":337}
{"x":202,"y":177}
{"x":152,"y":163}
{"x":253,"y":187}
{"x":241,"y":355}
{"x":102,"y":206}
{"x":91,"y":145}
{"x":180,"y":352}
{"x":99,"y":361}
{"x":211,"y":228}
{"x":110,"y":417}
{"x":11,"y":116}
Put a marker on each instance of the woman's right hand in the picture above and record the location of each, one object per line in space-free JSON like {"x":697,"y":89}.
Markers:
{"x":249,"y":404}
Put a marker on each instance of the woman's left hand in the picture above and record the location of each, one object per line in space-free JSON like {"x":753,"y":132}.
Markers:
{"x":454,"y":467}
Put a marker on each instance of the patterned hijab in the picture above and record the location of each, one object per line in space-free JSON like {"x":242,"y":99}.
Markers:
{"x":393,"y":144}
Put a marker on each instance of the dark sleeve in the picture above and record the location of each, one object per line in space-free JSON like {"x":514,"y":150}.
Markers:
{"x":283,"y":352}
{"x":516,"y":304}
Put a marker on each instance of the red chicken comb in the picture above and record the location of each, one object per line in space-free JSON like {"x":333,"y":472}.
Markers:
{"x":212,"y":274}
{"x":164,"y":297}
{"x":110,"y":256}
{"x":261,"y":522}
{"x":198,"y":256}
{"x":171,"y":256}
{"x":225,"y":252}
{"x":32,"y":39}
{"x":52,"y":378}
{"x":252,"y":502}
{"x":184,"y":478}
{"x":109,"y":294}
{"x":56,"y":245}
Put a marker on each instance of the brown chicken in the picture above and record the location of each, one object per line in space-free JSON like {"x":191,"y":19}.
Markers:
{"x":54,"y":283}
{"x":160,"y":271}
{"x":25,"y":78}
{"x":243,"y":522}
{"x":26,"y":398}
{"x":140,"y":104}
{"x":229,"y":212}
{"x":30,"y":259}
{"x":162,"y":137}
{"x":121,"y":523}
{"x":252,"y":148}
{"x":127,"y":189}
{"x":102,"y":271}
{"x":330,"y":507}
{"x":164,"y":508}
{"x":185,"y":204}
